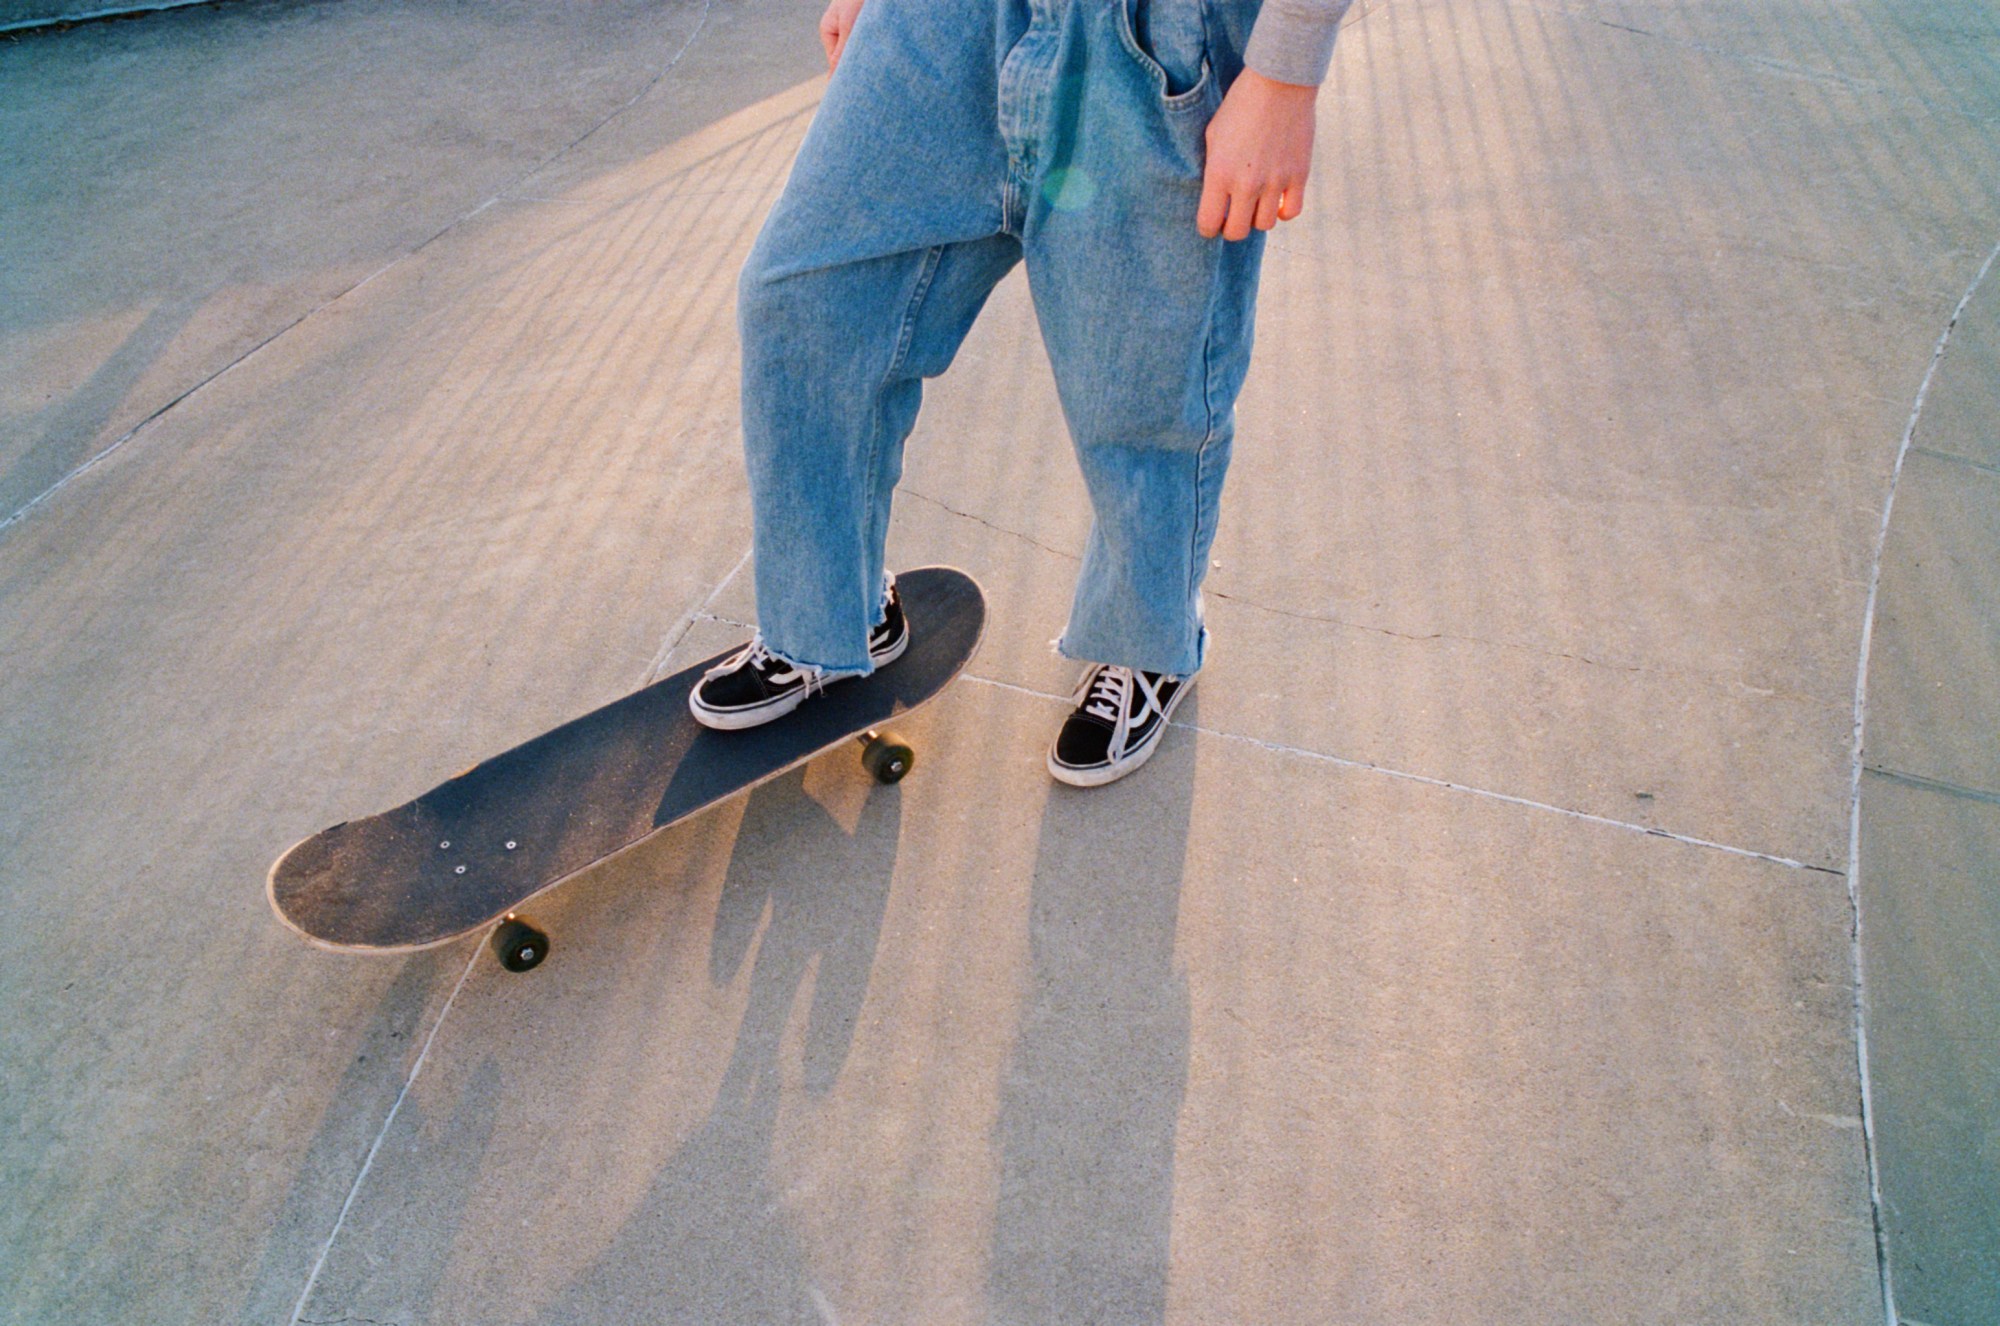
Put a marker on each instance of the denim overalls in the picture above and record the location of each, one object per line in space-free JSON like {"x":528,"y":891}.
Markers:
{"x":957,"y":138}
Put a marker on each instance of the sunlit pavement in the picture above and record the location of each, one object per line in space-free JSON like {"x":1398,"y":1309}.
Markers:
{"x":1481,"y":947}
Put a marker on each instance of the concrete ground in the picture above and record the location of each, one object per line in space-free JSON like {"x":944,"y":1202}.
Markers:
{"x":1480,"y":948}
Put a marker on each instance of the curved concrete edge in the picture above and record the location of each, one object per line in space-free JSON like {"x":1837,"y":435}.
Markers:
{"x":25,"y":15}
{"x":1925,"y":837}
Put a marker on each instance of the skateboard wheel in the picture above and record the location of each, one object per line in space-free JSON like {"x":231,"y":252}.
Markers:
{"x":887,"y":757}
{"x":519,"y":945}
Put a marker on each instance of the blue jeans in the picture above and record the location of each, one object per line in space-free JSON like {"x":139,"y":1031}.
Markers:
{"x":957,"y":138}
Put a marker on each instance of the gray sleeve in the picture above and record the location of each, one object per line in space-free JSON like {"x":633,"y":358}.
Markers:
{"x":1292,"y":41}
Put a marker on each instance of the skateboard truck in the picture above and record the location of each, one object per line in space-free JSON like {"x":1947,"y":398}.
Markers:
{"x":521,"y":947}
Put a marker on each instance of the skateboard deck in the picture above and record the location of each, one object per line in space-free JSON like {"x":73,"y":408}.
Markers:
{"x":470,"y":851}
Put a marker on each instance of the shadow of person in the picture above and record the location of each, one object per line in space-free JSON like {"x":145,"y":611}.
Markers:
{"x":353,"y":1107}
{"x":71,"y":428}
{"x":711,"y":1242}
{"x":1092,"y":1094}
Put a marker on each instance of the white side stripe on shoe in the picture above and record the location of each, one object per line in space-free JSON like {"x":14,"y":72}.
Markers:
{"x":1109,"y":692}
{"x":757,"y":654}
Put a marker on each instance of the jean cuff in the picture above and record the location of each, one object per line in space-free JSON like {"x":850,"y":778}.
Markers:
{"x":825,"y":673}
{"x":1061,"y":646}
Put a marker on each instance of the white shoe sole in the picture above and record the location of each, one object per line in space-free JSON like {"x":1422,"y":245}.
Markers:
{"x":896,"y":652}
{"x":735,"y":720}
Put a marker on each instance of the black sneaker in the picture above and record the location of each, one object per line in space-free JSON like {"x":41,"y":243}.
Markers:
{"x":887,"y":642}
{"x":1120,"y":716}
{"x":754,"y":686}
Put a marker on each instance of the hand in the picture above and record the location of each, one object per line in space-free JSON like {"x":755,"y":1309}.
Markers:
{"x":834,"y":25}
{"x":1259,"y":151}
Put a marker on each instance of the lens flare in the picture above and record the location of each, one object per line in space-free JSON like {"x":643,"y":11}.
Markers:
{"x":1069,"y":188}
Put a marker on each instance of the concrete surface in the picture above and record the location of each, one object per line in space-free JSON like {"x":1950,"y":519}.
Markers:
{"x":1478,"y":949}
{"x":186,"y":185}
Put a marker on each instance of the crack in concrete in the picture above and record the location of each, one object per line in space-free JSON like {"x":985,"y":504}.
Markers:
{"x":1539,"y":651}
{"x":1948,"y":788}
{"x":1704,"y":678}
{"x":1776,"y":67}
{"x":1966,"y":461}
{"x":997,"y":529}
{"x":1765,"y":63}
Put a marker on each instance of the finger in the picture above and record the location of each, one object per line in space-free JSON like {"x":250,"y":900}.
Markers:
{"x":829,"y":38}
{"x":1214,"y":208}
{"x":839,"y":49}
{"x":1267,"y":208}
{"x":1242,"y":214}
{"x":1294,"y":203}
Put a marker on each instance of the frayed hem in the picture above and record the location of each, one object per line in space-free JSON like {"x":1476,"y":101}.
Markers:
{"x":823,"y":673}
{"x":1061,"y":648}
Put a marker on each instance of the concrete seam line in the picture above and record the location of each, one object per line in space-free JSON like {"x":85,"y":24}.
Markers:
{"x":298,"y":1309}
{"x":368,"y":1161}
{"x":1428,"y":780}
{"x":32,"y":503}
{"x":688,"y":619}
{"x":1854,"y":788}
{"x":701,"y":21}
{"x":27,"y":508}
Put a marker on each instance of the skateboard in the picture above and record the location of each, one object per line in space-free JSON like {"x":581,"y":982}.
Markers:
{"x":472,"y":851}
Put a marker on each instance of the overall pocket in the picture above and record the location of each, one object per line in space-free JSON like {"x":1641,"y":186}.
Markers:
{"x":1169,"y":39}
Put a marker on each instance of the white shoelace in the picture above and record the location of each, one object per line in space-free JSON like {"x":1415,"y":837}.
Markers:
{"x":1107,"y":693}
{"x":757,"y":654}
{"x":1112,"y":689}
